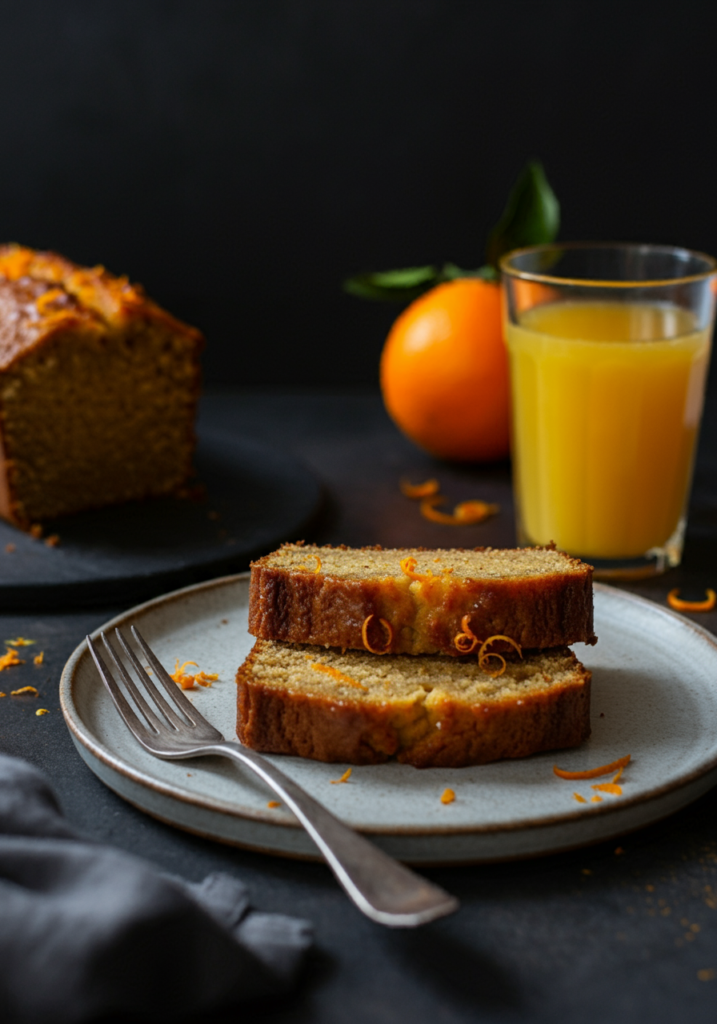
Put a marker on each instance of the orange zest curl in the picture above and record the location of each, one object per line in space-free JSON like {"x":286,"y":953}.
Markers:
{"x":418,"y":491}
{"x":389,"y":635}
{"x":47,"y":299}
{"x":464,"y":514}
{"x":23,"y":690}
{"x":188,"y":680}
{"x":318,"y":565}
{"x":338,"y":676}
{"x":674,"y":601}
{"x":484,"y":655}
{"x":467,"y":641}
{"x":594,"y":773}
{"x":408,"y":565}
{"x":596,"y":799}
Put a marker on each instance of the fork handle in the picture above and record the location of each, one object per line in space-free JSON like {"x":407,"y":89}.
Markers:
{"x":383,"y":889}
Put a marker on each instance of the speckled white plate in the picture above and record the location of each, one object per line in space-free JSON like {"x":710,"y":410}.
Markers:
{"x":654,"y":697}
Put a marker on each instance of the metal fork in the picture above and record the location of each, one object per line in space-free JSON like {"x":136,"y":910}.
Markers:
{"x":383,"y":889}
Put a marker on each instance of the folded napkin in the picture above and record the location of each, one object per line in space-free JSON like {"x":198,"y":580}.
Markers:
{"x":86,"y":930}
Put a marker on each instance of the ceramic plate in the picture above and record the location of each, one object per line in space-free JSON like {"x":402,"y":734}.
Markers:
{"x":254,"y":496}
{"x":654,"y":697}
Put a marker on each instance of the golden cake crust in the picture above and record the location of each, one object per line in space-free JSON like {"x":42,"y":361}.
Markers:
{"x":428,"y":712}
{"x":322,"y":595}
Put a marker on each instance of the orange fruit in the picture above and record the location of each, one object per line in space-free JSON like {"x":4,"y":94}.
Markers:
{"x":444,"y":372}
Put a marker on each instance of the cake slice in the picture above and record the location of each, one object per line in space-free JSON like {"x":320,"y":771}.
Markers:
{"x":431,"y":712}
{"x":413,"y":601}
{"x":98,"y":388}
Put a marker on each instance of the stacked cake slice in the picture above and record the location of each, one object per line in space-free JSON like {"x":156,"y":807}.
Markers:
{"x":435,"y":658}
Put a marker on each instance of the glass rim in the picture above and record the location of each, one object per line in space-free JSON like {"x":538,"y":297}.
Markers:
{"x":552,"y":279}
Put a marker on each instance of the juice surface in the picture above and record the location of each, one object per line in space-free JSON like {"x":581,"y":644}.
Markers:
{"x":607,"y":399}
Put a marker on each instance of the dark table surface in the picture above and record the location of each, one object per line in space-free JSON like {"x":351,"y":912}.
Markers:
{"x":596,"y":935}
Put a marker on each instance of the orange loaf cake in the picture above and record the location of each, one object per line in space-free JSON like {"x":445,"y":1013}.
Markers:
{"x":431,"y":711}
{"x":413,"y":601}
{"x":98,"y":389}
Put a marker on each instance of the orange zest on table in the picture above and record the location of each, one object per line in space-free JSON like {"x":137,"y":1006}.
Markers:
{"x":8,"y":659}
{"x":484,"y":655}
{"x":608,"y":787}
{"x":580,"y":799}
{"x":466,"y":641}
{"x":39,"y":658}
{"x":42,"y":711}
{"x":389,"y":635}
{"x":418,"y":491}
{"x":675,"y":602}
{"x":329,"y":670}
{"x":594,"y":773}
{"x":317,"y":570}
{"x":344,"y":778}
{"x":23,"y":690}
{"x":464,"y":514}
{"x":408,"y":565}
{"x":20,"y":642}
{"x":448,"y":796}
{"x":188,"y":680}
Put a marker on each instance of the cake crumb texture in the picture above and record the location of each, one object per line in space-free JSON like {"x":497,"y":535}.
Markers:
{"x":427,"y":711}
{"x":308,"y":594}
{"x":98,"y":389}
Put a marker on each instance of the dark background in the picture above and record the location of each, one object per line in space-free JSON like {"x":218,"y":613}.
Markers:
{"x":240,"y":158}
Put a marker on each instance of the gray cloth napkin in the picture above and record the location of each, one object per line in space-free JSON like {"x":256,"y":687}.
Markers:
{"x":87,"y":931}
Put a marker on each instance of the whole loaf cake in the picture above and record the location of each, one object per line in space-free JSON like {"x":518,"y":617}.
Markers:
{"x":412,"y":601}
{"x":98,"y":389}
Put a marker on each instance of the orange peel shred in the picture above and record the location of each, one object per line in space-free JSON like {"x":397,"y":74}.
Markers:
{"x":675,"y":602}
{"x":464,"y":514}
{"x":188,"y":680}
{"x":448,"y":796}
{"x":329,"y":670}
{"x":389,"y":635}
{"x":608,"y":787}
{"x":344,"y":778}
{"x":580,"y":799}
{"x":23,"y":690}
{"x":9,"y":659}
{"x":594,"y":773}
{"x":408,"y":565}
{"x":466,"y":641}
{"x":317,"y":570}
{"x":418,"y":491}
{"x":484,"y":655}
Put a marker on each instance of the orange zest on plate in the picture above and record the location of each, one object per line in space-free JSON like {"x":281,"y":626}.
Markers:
{"x":329,"y":670}
{"x":317,"y":570}
{"x":344,"y":778}
{"x":418,"y":491}
{"x":273,"y":803}
{"x":188,"y":680}
{"x":389,"y":635}
{"x":448,"y":796}
{"x":484,"y":655}
{"x":608,"y":787}
{"x":594,"y":773}
{"x":676,"y":602}
{"x":466,"y":641}
{"x":580,"y":799}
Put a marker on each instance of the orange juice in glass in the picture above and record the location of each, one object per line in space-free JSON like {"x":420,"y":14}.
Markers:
{"x":609,"y":349}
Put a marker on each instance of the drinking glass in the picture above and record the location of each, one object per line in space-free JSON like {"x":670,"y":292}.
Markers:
{"x":609,"y":349}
